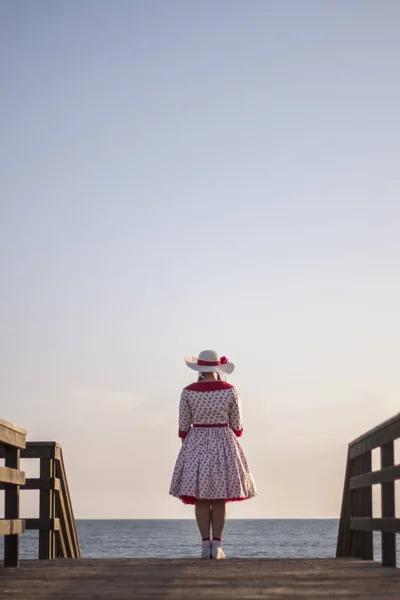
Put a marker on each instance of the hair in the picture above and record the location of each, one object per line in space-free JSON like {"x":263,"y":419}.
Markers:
{"x":201,"y":377}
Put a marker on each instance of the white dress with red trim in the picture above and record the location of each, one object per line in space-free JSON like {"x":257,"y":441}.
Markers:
{"x":211,"y":464}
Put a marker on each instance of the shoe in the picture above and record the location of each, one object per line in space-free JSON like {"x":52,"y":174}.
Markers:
{"x":216,"y":550}
{"x":206,"y":549}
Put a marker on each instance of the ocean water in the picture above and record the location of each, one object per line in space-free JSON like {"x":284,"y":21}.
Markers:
{"x":180,"y":538}
{"x":247,"y":538}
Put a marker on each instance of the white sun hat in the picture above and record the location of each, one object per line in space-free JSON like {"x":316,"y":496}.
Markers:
{"x":210,"y":361}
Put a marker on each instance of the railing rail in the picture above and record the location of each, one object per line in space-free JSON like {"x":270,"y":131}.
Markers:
{"x":356,"y":527}
{"x":12,"y":442}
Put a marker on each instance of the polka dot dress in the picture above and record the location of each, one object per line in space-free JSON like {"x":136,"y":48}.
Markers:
{"x":211,"y":463}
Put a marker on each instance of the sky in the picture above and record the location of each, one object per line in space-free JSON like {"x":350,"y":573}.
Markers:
{"x":184,"y":175}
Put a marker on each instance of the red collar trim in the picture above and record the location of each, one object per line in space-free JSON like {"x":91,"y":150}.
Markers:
{"x":208,"y":386}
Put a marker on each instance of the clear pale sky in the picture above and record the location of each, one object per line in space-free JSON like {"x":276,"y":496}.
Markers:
{"x":184,"y":175}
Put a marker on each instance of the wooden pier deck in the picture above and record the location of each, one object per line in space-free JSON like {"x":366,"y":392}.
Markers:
{"x":120,"y":579}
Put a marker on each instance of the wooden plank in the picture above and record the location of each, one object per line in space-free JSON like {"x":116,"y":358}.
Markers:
{"x":378,"y":436}
{"x":387,"y":474}
{"x":11,"y":505}
{"x":388,"y":506}
{"x":38,"y":450}
{"x":48,"y":444}
{"x":31,"y":452}
{"x":376,"y":429}
{"x":362,"y":540}
{"x":343,"y":546}
{"x":35,"y":483}
{"x":45,"y":449}
{"x":368,"y":524}
{"x":47,"y":510}
{"x":41,"y":450}
{"x":61,"y":549}
{"x":53,"y":446}
{"x":11,"y":435}
{"x":11,"y":526}
{"x":15,"y":428}
{"x":64,"y":526}
{"x":178,"y":579}
{"x":11,"y":550}
{"x":61,"y":473}
{"x":42,"y":524}
{"x":11,"y":476}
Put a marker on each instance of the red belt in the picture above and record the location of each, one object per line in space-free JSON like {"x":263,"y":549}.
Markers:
{"x":211,"y":425}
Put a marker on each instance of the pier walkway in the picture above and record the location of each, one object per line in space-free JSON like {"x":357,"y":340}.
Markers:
{"x":120,"y":579}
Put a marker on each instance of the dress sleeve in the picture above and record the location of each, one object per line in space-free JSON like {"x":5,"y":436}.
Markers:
{"x":235,"y":414}
{"x":185,"y":416}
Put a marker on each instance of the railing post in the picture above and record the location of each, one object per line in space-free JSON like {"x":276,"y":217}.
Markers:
{"x":388,"y":507}
{"x":11,"y":508}
{"x":47,"y":540}
{"x":343,"y":547}
{"x":362,"y":541}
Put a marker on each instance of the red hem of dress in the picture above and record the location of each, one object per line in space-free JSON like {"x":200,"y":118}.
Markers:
{"x":209,"y":386}
{"x":238,"y":432}
{"x":193,"y":499}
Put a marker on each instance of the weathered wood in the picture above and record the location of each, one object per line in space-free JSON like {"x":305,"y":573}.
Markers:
{"x":48,"y":444}
{"x":359,"y":481}
{"x":61,"y":548}
{"x":11,"y":477}
{"x":12,"y":435}
{"x":30,"y":452}
{"x":11,"y":527}
{"x":69,"y":513}
{"x":35,"y":483}
{"x":376,"y":437}
{"x":187,"y":579}
{"x":343,"y":547}
{"x":54,"y":493}
{"x":42,"y":524}
{"x":11,"y":504}
{"x":55,"y":510}
{"x":8,"y":425}
{"x":388,"y":505}
{"x":38,"y":450}
{"x":388,"y":474}
{"x":64,"y":526}
{"x":40,"y":447}
{"x":362,"y":540}
{"x":369,"y":524}
{"x":47,"y":510}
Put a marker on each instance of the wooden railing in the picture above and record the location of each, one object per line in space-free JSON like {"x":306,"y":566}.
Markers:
{"x":355,"y":538}
{"x":58,"y":536}
{"x":12,"y":442}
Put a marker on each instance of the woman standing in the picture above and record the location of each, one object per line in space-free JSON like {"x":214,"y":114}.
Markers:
{"x":211,"y":468}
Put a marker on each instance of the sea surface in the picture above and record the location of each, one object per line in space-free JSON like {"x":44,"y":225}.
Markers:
{"x":247,"y":538}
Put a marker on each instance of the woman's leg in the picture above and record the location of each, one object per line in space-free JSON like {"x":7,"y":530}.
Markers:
{"x":218,"y":517}
{"x":203,"y":517}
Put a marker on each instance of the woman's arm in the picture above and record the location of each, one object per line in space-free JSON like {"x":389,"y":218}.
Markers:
{"x":185,"y":416}
{"x":235,"y":414}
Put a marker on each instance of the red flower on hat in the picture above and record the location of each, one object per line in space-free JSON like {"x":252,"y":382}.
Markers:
{"x":224,"y":360}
